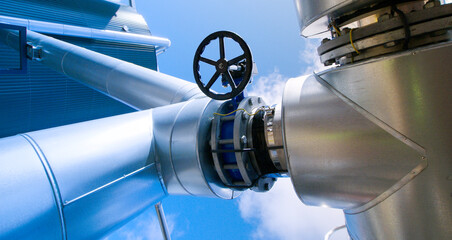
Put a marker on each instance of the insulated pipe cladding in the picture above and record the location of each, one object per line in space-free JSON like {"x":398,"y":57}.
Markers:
{"x":83,"y":180}
{"x":374,"y":139}
{"x":136,"y":86}
{"x":373,"y":135}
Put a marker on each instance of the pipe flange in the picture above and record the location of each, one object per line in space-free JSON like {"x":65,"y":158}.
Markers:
{"x":221,"y":144}
{"x":241,"y":141}
{"x":231,"y":143}
{"x":392,"y":33}
{"x":274,"y":137}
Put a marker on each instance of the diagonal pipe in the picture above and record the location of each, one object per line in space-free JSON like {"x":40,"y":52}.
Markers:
{"x":136,"y":86}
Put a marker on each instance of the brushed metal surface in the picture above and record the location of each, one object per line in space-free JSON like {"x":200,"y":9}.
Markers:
{"x":186,"y":143}
{"x":337,"y":156}
{"x":411,"y":92}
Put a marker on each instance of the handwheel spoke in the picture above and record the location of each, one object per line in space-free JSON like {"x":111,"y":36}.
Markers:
{"x":235,"y":73}
{"x":230,"y":81}
{"x":222,"y":55}
{"x":213,"y":79}
{"x":208,"y":61}
{"x":236,"y":60}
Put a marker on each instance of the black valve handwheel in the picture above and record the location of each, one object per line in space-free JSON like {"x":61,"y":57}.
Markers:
{"x":222,"y":66}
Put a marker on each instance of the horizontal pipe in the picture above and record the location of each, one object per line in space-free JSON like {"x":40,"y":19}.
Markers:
{"x":136,"y":86}
{"x":83,"y":32}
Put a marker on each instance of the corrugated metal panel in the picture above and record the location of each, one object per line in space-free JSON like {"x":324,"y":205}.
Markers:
{"x":86,"y":13}
{"x":10,"y":58}
{"x":52,"y":11}
{"x":124,"y":18}
{"x":43,"y":98}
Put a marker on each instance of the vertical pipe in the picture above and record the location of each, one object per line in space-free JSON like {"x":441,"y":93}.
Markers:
{"x":162,"y":220}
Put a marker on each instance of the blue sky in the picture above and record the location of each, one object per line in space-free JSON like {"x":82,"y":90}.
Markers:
{"x":271,"y":30}
{"x":269,"y":27}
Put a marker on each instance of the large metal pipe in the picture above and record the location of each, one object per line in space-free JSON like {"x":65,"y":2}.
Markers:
{"x":139,"y":87}
{"x":78,"y":181}
{"x":374,"y":139}
{"x":339,"y":156}
{"x":83,"y":180}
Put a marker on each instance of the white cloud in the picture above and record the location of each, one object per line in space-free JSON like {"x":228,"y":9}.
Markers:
{"x":145,"y":226}
{"x":270,"y":87}
{"x":279,"y":214}
{"x":310,"y":57}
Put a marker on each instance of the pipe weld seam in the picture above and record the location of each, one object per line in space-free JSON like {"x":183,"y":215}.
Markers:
{"x":52,"y":180}
{"x":171,"y":150}
{"x":108,"y":184}
{"x":62,"y":63}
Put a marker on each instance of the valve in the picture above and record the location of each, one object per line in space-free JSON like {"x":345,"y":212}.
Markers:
{"x":235,"y":72}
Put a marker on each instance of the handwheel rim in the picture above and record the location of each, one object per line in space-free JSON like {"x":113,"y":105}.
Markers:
{"x":246,"y":57}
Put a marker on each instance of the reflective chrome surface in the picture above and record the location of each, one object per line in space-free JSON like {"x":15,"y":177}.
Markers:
{"x":338,"y":157}
{"x":411,"y":93}
{"x":134,"y":85}
{"x":78,"y":181}
{"x":374,"y":138}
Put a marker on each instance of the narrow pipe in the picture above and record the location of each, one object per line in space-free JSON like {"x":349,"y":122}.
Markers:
{"x":162,"y":220}
{"x":136,"y":86}
{"x":332,"y":231}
